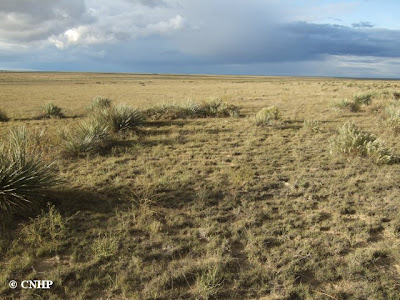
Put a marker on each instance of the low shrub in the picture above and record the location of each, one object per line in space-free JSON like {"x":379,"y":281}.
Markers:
{"x":25,"y":178}
{"x":267,"y":116}
{"x":50,"y":110}
{"x":351,"y":141}
{"x":363,"y":98}
{"x":345,"y":104}
{"x":3,"y":116}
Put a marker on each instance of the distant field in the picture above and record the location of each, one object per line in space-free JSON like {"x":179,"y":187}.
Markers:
{"x":208,"y":208}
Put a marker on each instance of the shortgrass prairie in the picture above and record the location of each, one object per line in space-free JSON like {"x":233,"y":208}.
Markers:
{"x":208,"y":207}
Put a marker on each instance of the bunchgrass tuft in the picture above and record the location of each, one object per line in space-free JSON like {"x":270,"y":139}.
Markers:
{"x":99,"y":103}
{"x":89,"y":136}
{"x":3,"y":116}
{"x":25,"y":178}
{"x":50,"y":110}
{"x":351,"y":142}
{"x":267,"y":116}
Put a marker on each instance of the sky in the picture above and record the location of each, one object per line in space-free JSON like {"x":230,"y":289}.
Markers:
{"x":254,"y":37}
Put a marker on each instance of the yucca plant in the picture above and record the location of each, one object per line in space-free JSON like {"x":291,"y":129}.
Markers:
{"x":87,"y":137}
{"x":25,"y":178}
{"x":215,"y":107}
{"x":3,"y":116}
{"x":190,"y":109}
{"x":351,"y":141}
{"x":99,"y":103}
{"x":119,"y":118}
{"x":267,"y":116}
{"x":50,"y":110}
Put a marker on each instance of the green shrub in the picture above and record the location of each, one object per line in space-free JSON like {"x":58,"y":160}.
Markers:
{"x":351,"y":141}
{"x":346,"y":104}
{"x":25,"y":177}
{"x":99,"y":103}
{"x":364,"y":98}
{"x":87,"y":137}
{"x":392,"y":120}
{"x":50,"y":110}
{"x":267,"y":116}
{"x":3,"y":116}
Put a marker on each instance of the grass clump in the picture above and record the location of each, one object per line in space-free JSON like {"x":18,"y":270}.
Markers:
{"x":267,"y":116}
{"x":25,"y":177}
{"x":50,"y":110}
{"x":351,"y":141}
{"x":87,"y":137}
{"x":3,"y":116}
{"x":99,"y":103}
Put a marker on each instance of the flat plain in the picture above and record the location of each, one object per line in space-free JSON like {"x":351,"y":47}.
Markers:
{"x":207,"y":208}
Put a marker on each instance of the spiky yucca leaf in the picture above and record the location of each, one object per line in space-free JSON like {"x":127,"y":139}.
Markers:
{"x":24,"y":177}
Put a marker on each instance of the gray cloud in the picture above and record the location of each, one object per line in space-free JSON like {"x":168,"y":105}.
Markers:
{"x":362,"y":25}
{"x":175,"y":35}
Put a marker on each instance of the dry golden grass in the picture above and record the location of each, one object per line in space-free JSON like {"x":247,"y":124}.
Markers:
{"x":209,"y":208}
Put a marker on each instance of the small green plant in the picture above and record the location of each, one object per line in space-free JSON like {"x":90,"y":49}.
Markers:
{"x":25,"y":178}
{"x":312,"y":125}
{"x":99,"y":103}
{"x":351,"y":141}
{"x":105,"y":245}
{"x":345,"y":104}
{"x":267,"y":116}
{"x":49,"y":226}
{"x":87,"y":137}
{"x":208,"y":282}
{"x":3,"y":116}
{"x":50,"y":110}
